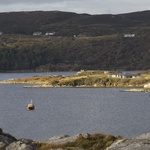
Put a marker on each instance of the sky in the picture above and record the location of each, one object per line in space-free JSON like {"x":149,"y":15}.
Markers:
{"x":78,"y":6}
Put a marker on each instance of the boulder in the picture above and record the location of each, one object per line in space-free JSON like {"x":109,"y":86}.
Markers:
{"x":22,"y":144}
{"x":5,"y":139}
{"x":8,"y":142}
{"x":141,"y":142}
{"x":62,"y":139}
{"x":147,"y":85}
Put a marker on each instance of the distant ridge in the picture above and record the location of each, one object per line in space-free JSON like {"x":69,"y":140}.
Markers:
{"x":55,"y":40}
{"x":29,"y":22}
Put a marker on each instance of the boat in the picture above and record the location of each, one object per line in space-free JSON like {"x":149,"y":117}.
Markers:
{"x":30,"y":106}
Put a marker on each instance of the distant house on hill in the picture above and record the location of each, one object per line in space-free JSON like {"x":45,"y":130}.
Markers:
{"x":37,"y":33}
{"x":123,"y":75}
{"x":1,"y":33}
{"x":129,"y":35}
{"x":50,"y":33}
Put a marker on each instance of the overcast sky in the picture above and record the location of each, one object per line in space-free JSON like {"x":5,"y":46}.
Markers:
{"x":78,"y":6}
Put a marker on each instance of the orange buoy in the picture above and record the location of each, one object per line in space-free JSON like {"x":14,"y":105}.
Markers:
{"x":30,"y":106}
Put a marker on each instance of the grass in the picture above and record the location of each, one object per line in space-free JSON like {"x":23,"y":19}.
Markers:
{"x":94,"y":141}
{"x":95,"y":78}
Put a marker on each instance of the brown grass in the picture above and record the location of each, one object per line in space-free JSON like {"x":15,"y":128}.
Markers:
{"x":94,"y":141}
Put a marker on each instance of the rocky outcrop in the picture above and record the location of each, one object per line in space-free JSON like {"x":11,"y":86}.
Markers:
{"x":22,"y":144}
{"x":5,"y":140}
{"x":147,"y":85}
{"x":8,"y":142}
{"x":141,"y":142}
{"x":62,"y":139}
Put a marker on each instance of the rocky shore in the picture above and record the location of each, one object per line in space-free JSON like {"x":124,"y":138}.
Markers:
{"x":89,"y":78}
{"x":141,"y":142}
{"x":66,"y":142}
{"x":136,"y":90}
{"x":8,"y":142}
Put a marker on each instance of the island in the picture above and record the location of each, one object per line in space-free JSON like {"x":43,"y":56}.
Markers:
{"x":134,"y":80}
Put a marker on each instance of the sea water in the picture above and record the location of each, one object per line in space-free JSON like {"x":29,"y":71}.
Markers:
{"x":70,"y":111}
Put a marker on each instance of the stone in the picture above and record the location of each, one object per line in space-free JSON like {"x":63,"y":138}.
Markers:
{"x":5,"y":140}
{"x":2,"y":146}
{"x":147,"y":85}
{"x":22,"y":144}
{"x":141,"y":142}
{"x":8,"y":142}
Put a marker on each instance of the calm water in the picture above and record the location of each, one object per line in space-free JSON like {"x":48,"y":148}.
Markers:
{"x":71,"y":110}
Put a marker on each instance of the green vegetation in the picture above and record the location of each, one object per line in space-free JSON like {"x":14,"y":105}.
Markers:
{"x":68,"y":53}
{"x":81,"y":41}
{"x":89,"y":78}
{"x":91,"y":142}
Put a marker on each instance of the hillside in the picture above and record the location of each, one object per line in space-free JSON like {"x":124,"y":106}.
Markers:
{"x":68,"y":23}
{"x":140,"y":81}
{"x":79,"y":41}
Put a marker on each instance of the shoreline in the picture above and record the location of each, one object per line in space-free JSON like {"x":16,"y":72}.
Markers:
{"x":85,"y":79}
{"x":136,"y":90}
{"x":40,"y":85}
{"x":81,"y":141}
{"x":125,"y":89}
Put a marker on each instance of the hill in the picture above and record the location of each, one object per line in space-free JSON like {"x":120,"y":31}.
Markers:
{"x":68,"y":23}
{"x":75,"y":41}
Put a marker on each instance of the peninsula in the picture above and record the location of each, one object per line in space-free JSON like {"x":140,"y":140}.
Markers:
{"x":89,"y":78}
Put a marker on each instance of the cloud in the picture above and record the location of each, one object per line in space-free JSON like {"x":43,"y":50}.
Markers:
{"x":79,"y":6}
{"x":10,"y":2}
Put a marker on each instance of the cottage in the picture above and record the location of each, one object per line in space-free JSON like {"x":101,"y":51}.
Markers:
{"x":1,"y":33}
{"x":50,"y":33}
{"x":129,"y":35}
{"x":37,"y":33}
{"x":123,"y":75}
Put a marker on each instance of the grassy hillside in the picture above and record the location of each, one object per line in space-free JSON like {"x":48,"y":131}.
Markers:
{"x":81,"y":41}
{"x":44,"y":53}
{"x":89,"y":78}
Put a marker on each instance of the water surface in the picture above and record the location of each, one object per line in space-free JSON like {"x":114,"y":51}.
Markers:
{"x":71,"y":110}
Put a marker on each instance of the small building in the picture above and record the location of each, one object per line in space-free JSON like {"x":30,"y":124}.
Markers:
{"x":123,"y":75}
{"x":1,"y":33}
{"x":37,"y":33}
{"x":50,"y":33}
{"x":129,"y":35}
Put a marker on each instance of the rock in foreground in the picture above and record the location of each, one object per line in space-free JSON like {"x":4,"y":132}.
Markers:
{"x":8,"y":142}
{"x":141,"y":142}
{"x":94,"y":141}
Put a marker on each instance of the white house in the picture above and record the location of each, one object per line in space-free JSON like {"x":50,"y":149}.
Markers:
{"x":50,"y":33}
{"x":37,"y":33}
{"x":129,"y":35}
{"x":123,"y":75}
